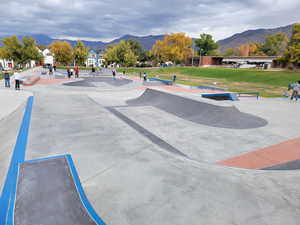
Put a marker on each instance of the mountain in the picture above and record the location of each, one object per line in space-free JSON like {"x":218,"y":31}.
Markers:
{"x":147,"y":42}
{"x":258,"y":35}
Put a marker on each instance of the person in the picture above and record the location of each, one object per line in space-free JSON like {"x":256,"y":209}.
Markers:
{"x":68,"y":72}
{"x":50,"y":70}
{"x":7,"y":79}
{"x":145,"y":76}
{"x":71,"y":71}
{"x":296,"y":88}
{"x":93,"y":71}
{"x":17,"y":80}
{"x":174,"y":78}
{"x":54,"y":67}
{"x":114,"y":74}
{"x":76,"y":72}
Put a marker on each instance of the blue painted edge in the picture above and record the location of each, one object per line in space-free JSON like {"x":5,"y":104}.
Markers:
{"x":168,"y":82}
{"x":81,"y":193}
{"x":232,"y":96}
{"x":18,"y":156}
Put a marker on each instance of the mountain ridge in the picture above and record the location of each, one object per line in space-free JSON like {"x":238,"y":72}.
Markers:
{"x":254,"y":35}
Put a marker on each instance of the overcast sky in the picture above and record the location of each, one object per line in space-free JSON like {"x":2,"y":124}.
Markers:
{"x":108,"y":19}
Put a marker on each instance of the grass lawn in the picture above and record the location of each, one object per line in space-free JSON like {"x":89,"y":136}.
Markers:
{"x":267,"y":83}
{"x":80,"y":67}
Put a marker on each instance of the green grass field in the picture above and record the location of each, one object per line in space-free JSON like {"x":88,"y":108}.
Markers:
{"x":80,"y":67}
{"x":267,"y":83}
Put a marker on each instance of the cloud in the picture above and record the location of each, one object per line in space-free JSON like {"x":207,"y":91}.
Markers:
{"x":106,"y":19}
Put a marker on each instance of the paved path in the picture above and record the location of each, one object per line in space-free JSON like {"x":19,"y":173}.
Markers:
{"x":131,"y":179}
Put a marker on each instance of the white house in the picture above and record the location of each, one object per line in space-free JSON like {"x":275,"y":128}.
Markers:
{"x":48,"y":57}
{"x":6,"y":64}
{"x":94,"y":59}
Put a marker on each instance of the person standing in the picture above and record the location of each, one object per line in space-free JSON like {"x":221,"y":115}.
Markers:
{"x":145,"y":76}
{"x":54,"y":67}
{"x":93,"y":71}
{"x":17,"y":80}
{"x":295,"y":93}
{"x":68,"y":72}
{"x":76,"y":72}
{"x":50,"y":70}
{"x":7,"y":79}
{"x":174,"y":78}
{"x":114,"y":74}
{"x":71,"y":71}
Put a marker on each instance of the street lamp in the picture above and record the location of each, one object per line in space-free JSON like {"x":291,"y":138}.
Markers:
{"x":200,"y":56}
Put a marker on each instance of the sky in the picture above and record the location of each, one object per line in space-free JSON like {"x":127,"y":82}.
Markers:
{"x":108,"y":19}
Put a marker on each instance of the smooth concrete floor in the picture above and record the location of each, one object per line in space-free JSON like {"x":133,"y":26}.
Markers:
{"x":133,"y":181}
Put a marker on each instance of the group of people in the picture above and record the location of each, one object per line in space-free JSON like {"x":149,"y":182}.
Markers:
{"x":17,"y":79}
{"x":295,"y":87}
{"x":71,"y":72}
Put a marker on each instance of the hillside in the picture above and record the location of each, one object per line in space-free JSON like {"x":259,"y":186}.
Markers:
{"x":147,"y":42}
{"x":258,"y":35}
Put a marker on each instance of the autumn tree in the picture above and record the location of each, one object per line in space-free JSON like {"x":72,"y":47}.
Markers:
{"x":250,"y":49}
{"x":231,"y":52}
{"x":275,"y":44}
{"x":63,"y":52}
{"x":21,"y":52}
{"x":174,"y":47}
{"x":80,"y":53}
{"x":206,"y":45}
{"x":292,"y":54}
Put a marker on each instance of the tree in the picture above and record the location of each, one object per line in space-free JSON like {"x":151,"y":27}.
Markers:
{"x":174,"y":47}
{"x":250,"y":49}
{"x":292,"y":54}
{"x":20,"y":52}
{"x":230,"y":52}
{"x":138,"y":50}
{"x":62,"y":51}
{"x":80,"y":53}
{"x":41,"y":47}
{"x":275,"y":44}
{"x":120,"y":53}
{"x":206,"y":44}
{"x":30,"y":50}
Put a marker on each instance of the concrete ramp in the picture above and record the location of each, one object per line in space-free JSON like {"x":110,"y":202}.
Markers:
{"x":94,"y":82}
{"x":198,"y":112}
{"x":49,"y":192}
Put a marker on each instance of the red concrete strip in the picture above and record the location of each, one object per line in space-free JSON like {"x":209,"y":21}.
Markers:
{"x":31,"y":81}
{"x":267,"y":157}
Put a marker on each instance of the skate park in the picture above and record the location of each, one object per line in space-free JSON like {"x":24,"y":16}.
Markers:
{"x":95,"y":150}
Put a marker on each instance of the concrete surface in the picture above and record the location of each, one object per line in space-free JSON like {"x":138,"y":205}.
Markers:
{"x":11,"y":113}
{"x":46,"y":194}
{"x":130,"y":179}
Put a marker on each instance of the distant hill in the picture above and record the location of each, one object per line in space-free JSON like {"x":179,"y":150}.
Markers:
{"x":147,"y":42}
{"x":258,"y":35}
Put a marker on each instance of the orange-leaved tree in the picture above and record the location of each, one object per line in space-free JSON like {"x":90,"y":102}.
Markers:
{"x":174,"y":47}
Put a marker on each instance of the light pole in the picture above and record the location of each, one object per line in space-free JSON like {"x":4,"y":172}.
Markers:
{"x":200,"y":56}
{"x":193,"y":54}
